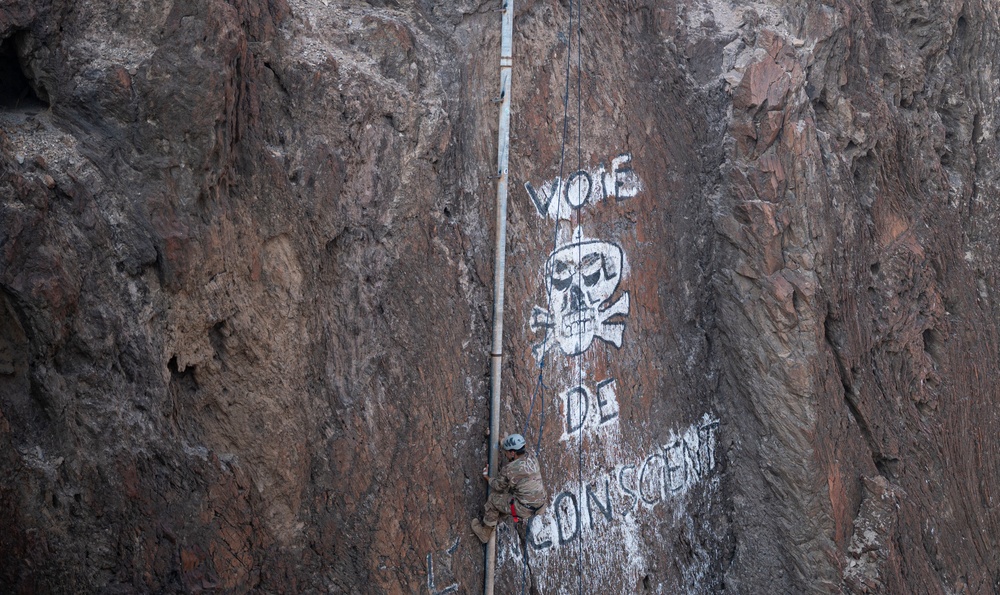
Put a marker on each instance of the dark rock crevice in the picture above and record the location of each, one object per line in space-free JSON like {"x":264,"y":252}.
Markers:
{"x":18,"y":92}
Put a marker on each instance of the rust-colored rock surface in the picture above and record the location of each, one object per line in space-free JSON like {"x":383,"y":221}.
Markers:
{"x":752,"y":322}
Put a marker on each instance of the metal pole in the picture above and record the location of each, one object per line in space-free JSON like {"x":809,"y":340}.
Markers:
{"x":499,"y":264}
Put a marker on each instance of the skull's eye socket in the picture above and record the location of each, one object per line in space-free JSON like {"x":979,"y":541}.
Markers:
{"x":562,"y":274}
{"x":560,"y":268}
{"x":561,"y":283}
{"x":590,"y":268}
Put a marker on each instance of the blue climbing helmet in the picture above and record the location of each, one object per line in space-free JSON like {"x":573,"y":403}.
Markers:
{"x":513,"y":442}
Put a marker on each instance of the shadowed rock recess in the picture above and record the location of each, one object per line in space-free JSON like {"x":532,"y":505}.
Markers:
{"x":752,"y":316}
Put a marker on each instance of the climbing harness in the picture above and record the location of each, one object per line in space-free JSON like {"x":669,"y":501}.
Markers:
{"x":513,"y":510}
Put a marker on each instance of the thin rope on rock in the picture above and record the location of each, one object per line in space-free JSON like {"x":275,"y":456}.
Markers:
{"x":579,"y":258}
{"x":555,"y":241}
{"x":540,"y":386}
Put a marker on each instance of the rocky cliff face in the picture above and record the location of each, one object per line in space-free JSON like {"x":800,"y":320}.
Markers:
{"x":245,"y":295}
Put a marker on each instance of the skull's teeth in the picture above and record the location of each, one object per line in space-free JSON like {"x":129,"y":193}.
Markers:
{"x":582,"y":326}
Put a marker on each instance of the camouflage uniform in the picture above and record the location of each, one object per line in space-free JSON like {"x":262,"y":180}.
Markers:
{"x":520,"y":480}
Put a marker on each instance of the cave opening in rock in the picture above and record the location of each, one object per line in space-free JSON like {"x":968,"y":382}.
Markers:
{"x":16,"y":91}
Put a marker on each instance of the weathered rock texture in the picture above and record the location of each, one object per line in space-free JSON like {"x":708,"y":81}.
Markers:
{"x":245,"y":295}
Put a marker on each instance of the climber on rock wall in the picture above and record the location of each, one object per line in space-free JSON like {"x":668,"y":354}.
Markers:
{"x":517,"y":491}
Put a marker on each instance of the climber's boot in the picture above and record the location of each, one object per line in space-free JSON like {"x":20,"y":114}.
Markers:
{"x":483,"y":532}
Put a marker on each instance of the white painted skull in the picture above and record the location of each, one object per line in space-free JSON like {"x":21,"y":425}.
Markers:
{"x":580,"y":277}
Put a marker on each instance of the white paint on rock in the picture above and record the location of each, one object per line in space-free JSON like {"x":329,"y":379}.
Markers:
{"x":586,"y":412}
{"x":595,"y":528}
{"x":581,"y":276}
{"x":558,"y":198}
{"x":600,"y":521}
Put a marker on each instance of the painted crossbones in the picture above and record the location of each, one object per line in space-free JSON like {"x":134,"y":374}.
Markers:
{"x":579,"y":277}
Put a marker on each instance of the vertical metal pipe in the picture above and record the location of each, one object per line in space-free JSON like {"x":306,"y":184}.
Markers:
{"x":499,"y":262}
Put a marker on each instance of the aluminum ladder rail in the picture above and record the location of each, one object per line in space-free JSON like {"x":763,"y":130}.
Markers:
{"x":499,"y":263}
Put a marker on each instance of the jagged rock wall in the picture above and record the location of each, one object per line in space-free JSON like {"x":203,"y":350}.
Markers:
{"x":245,"y":295}
{"x":859,"y":228}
